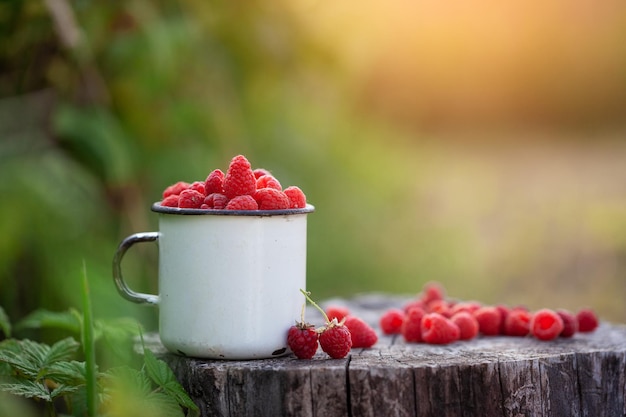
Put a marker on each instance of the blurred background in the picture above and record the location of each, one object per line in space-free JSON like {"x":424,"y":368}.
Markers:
{"x":480,"y":145}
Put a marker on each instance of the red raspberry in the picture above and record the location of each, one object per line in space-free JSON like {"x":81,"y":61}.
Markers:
{"x":439,"y":306}
{"x":214,"y":182}
{"x":259,"y":172}
{"x":570,"y":324}
{"x":467,"y":323}
{"x":546,"y":324}
{"x":296,"y":197}
{"x":336,"y":312}
{"x":469,"y":306}
{"x":170,"y":201}
{"x":302,"y":340}
{"x":216,"y":201}
{"x":587,"y":320}
{"x":363,"y":335}
{"x":411,"y":328}
{"x":239,"y":179}
{"x":489,"y":320}
{"x":391,"y":321}
{"x":267,"y":181}
{"x":438,"y":330}
{"x":175,"y":189}
{"x":504,"y":312}
{"x":414,"y":303}
{"x":517,"y":323}
{"x":242,"y":202}
{"x":335,"y":340}
{"x":198,"y":186}
{"x":271,"y":199}
{"x":432,"y":291}
{"x":190,"y":199}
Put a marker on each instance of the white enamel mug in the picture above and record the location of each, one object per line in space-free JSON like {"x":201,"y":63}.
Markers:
{"x":229,"y":280}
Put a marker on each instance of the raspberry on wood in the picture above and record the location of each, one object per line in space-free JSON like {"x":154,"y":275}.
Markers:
{"x":362,"y":334}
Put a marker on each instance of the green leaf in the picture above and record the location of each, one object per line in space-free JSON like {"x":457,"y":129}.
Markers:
{"x":43,"y":318}
{"x":5,"y":323}
{"x":61,"y":390}
{"x":89,"y":346}
{"x":69,"y":373}
{"x":32,"y":359}
{"x":27,"y":388}
{"x":163,"y":405}
{"x":162,"y":375}
{"x":125,"y":378}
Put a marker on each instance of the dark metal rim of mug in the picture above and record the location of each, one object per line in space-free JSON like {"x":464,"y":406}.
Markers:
{"x":157,"y":207}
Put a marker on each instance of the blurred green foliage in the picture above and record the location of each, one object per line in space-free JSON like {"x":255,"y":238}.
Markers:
{"x":98,"y":115}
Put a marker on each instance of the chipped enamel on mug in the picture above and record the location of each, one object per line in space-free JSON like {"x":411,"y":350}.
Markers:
{"x":229,"y":280}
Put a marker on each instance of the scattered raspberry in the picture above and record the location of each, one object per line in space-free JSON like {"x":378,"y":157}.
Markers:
{"x":504,"y":312}
{"x":239,"y":179}
{"x":546,"y":324}
{"x":439,"y":306}
{"x":363,"y":335}
{"x":337,"y":312}
{"x":489,"y":320}
{"x":411,"y":328}
{"x":214,"y":183}
{"x":242,"y":202}
{"x":517,"y":323}
{"x":268,"y":181}
{"x":467,"y":324}
{"x":302,"y":340}
{"x":296,"y":197}
{"x":170,"y":201}
{"x":438,"y":330}
{"x":259,"y":172}
{"x":271,"y":199}
{"x":336,"y":340}
{"x":175,"y":189}
{"x":587,"y":320}
{"x":570,"y":324}
{"x":190,"y":199}
{"x":432,"y":291}
{"x":469,"y":306}
{"x":391,"y":321}
{"x":216,"y":201}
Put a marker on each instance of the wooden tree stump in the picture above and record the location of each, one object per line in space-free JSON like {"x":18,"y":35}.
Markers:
{"x":488,"y":376}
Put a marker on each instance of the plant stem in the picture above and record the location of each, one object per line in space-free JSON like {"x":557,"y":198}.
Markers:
{"x":314,"y":304}
{"x":89,"y":347}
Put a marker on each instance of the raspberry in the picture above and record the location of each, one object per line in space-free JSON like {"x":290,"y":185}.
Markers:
{"x":587,"y":320}
{"x":302,"y":340}
{"x":214,"y":183}
{"x":175,"y":189}
{"x":411,"y":328}
{"x":170,"y":201}
{"x":336,"y":312}
{"x":467,"y":323}
{"x":336,"y":340}
{"x":267,"y":181}
{"x":271,"y":199}
{"x":239,"y":179}
{"x":546,"y":324}
{"x":469,"y":306}
{"x":190,"y":199}
{"x":198,"y":186}
{"x":439,"y":306}
{"x":570,"y":324}
{"x":432,"y":291}
{"x":504,"y":312}
{"x":242,"y":202}
{"x":259,"y":172}
{"x":362,"y":334}
{"x":438,"y":330}
{"x":391,"y":321}
{"x":517,"y":323}
{"x":296,"y":197}
{"x":414,"y":303}
{"x":216,"y":201}
{"x":489,"y":319}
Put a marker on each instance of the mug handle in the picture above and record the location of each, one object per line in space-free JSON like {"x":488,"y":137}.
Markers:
{"x":122,"y":288}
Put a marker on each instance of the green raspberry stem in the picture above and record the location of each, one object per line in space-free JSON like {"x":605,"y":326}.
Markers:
{"x":314,"y":304}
